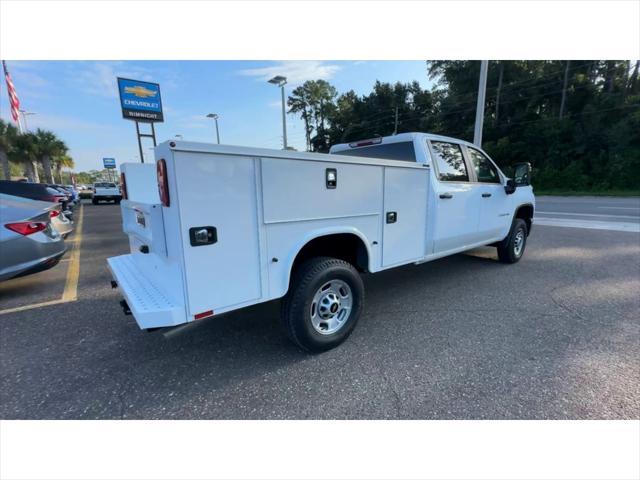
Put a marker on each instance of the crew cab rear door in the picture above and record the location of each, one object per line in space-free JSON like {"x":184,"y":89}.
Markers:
{"x":457,"y":209}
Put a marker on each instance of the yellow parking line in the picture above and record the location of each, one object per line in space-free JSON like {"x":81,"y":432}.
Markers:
{"x":32,"y":306}
{"x":70,"y":292}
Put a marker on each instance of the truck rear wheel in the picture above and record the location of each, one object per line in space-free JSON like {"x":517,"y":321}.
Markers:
{"x":511,"y":249}
{"x":323,"y":304}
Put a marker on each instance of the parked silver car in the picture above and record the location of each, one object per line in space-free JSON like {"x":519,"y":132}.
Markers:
{"x":59,"y":220}
{"x":28,"y":241}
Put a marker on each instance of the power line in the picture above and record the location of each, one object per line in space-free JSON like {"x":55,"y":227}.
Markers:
{"x":518,"y":82}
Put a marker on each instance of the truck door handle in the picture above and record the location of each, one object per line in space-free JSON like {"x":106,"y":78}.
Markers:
{"x":446,"y":195}
{"x":486,"y":195}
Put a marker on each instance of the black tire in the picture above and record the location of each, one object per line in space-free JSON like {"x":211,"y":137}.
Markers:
{"x":297,"y":305}
{"x":94,"y":201}
{"x":508,"y":251}
{"x":117,"y":202}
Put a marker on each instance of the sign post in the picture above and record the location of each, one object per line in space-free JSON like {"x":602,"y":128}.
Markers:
{"x":109,"y":164}
{"x":141,"y":102}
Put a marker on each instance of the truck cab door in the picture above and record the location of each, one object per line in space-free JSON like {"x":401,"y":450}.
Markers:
{"x":494,"y":219}
{"x":457,"y":205}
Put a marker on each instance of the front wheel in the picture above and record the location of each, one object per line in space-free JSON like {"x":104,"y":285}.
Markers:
{"x":324,"y":303}
{"x":511,"y":249}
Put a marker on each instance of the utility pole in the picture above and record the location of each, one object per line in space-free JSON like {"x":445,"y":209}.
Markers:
{"x":395,"y":130}
{"x":564,"y":89}
{"x":482,"y":90}
{"x":24,"y":118}
{"x":501,"y":73}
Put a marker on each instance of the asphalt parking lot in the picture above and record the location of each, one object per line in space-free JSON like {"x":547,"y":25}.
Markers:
{"x":556,"y":336}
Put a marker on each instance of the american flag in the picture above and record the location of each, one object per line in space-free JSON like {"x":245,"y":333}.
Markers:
{"x":13,"y":96}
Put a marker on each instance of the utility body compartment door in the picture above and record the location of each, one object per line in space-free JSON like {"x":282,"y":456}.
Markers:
{"x":405,"y":215}
{"x":218,"y":192}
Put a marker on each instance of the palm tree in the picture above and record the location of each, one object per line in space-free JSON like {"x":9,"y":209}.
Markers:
{"x":49,"y":146}
{"x":60,"y":162}
{"x":8,"y":135}
{"x":25,"y":153}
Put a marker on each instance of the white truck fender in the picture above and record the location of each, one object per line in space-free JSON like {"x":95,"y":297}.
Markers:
{"x":312,"y":235}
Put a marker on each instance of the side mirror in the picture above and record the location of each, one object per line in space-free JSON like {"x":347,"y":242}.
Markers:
{"x":510,"y":186}
{"x":522,"y":173}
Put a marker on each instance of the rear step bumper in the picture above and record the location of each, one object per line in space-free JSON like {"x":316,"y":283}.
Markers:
{"x":149,"y":305}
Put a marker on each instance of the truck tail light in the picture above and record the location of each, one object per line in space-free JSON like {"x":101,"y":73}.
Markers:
{"x":163,"y":182}
{"x":200,"y":316}
{"x":123,"y":186}
{"x":26,"y":228}
{"x":364,"y":143}
{"x":54,"y":213}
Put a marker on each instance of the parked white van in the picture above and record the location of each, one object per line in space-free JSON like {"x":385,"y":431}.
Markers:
{"x":236,"y":226}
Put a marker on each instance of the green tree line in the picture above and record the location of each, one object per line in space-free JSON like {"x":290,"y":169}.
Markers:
{"x":577,"y":122}
{"x":37,"y":156}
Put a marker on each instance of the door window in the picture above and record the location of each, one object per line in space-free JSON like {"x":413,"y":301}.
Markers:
{"x":450,"y":162}
{"x":486,"y":171}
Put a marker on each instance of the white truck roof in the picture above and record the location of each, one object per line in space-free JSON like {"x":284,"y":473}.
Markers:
{"x":401,"y":137}
{"x":197,"y":147}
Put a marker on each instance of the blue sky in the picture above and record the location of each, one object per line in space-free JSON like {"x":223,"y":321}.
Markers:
{"x":78,"y":100}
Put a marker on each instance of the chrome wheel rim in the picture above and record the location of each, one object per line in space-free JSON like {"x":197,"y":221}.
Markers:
{"x":331,"y":307}
{"x":518,"y":243}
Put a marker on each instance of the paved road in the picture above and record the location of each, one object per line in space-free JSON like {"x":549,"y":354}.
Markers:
{"x":554,"y":336}
{"x":617,"y":214}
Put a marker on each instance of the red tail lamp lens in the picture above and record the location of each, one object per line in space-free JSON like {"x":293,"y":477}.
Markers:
{"x":123,"y":186}
{"x":26,"y":228}
{"x":54,"y":213}
{"x":364,"y":143}
{"x":163,"y":182}
{"x":200,"y":316}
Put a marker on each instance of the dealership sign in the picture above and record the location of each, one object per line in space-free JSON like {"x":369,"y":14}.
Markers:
{"x":140,"y":101}
{"x":109,"y":162}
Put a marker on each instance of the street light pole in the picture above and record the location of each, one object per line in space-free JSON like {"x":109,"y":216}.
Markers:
{"x":215,"y":119}
{"x":482,"y":89}
{"x":281,"y":81}
{"x":24,"y":118}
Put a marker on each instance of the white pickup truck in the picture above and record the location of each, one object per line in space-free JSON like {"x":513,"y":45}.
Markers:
{"x":227,"y":227}
{"x":105,"y":192}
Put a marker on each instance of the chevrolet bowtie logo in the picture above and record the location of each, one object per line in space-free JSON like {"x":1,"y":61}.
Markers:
{"x":140,"y":91}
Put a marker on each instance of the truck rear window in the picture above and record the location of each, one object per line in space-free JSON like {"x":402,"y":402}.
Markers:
{"x":389,"y":151}
{"x":105,"y":185}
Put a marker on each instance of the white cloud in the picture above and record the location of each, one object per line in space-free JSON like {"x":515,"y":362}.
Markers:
{"x":295,"y":71}
{"x":58,"y":123}
{"x":188,"y":122}
{"x":28,"y":83}
{"x":99,"y":78}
